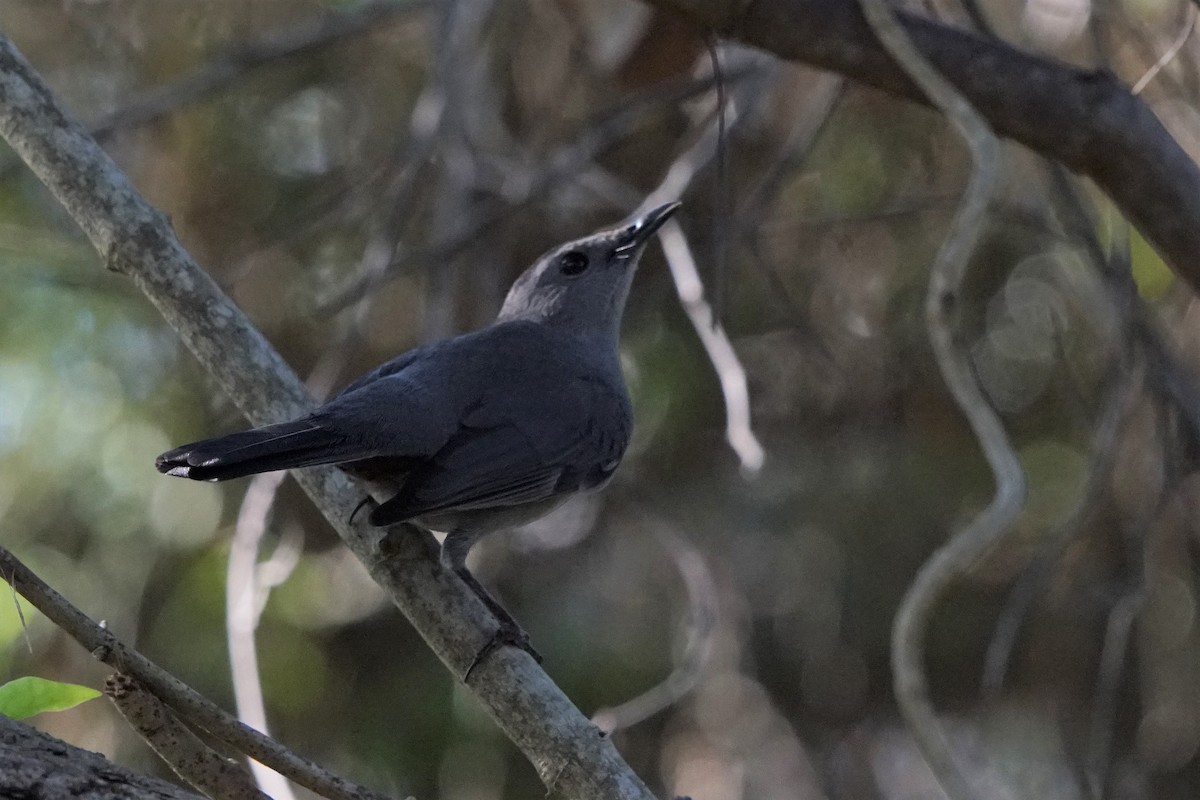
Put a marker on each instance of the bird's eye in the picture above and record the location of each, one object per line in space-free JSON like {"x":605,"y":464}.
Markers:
{"x":572,"y":262}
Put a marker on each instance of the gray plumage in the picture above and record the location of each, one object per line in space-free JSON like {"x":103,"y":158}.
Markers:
{"x":482,"y":431}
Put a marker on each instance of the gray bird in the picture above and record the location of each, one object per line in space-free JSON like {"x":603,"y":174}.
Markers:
{"x":483,"y":431}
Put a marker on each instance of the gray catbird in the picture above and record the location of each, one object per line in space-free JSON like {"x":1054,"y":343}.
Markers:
{"x":483,"y":431}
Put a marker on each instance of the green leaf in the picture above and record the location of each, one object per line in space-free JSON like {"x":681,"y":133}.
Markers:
{"x":1150,"y":273}
{"x":27,"y":696}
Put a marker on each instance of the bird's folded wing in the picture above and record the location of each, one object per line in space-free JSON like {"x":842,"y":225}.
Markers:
{"x":479,"y":468}
{"x":508,"y":455}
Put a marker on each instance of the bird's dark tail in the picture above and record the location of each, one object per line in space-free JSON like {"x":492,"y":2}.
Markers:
{"x":288,"y":445}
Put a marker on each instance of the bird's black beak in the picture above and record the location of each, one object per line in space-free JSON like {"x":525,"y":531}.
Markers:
{"x":638,"y":232}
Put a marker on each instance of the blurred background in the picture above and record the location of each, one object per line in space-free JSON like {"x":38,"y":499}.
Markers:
{"x":363,"y":178}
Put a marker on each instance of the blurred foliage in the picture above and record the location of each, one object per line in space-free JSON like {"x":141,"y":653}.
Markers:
{"x":471,"y":136}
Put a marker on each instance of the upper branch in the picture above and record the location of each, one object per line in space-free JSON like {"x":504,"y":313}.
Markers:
{"x":1088,"y":120}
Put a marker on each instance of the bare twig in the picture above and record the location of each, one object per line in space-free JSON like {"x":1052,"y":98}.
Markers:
{"x":957,"y":556}
{"x":190,"y":705}
{"x":690,"y":289}
{"x":1170,"y":53}
{"x":722,"y":205}
{"x":1113,"y":658}
{"x":725,"y":361}
{"x":688,"y":285}
{"x":1127,"y":383}
{"x":702,"y":616}
{"x":135,"y":239}
{"x":245,"y":596}
{"x":190,"y":758}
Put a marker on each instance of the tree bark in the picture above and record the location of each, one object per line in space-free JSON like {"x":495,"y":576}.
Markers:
{"x":36,"y":766}
{"x":1086,"y":119}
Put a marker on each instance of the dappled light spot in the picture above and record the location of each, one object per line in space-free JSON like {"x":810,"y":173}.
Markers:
{"x":1056,"y":472}
{"x":20,"y":385}
{"x":185,"y":514}
{"x":1015,"y":357}
{"x":307,"y":134}
{"x":1050,"y":23}
{"x":123,"y":452}
{"x":327,"y":590}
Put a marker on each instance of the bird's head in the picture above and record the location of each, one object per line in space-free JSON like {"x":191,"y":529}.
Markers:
{"x":582,"y":285}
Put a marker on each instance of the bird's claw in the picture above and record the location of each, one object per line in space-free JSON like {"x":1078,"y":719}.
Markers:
{"x":507,"y":633}
{"x":366,"y":501}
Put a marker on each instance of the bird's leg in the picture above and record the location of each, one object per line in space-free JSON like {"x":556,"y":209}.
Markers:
{"x":508,"y":630}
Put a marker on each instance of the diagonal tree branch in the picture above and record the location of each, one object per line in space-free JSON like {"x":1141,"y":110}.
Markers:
{"x":1088,"y":120}
{"x":106,"y":647}
{"x":136,"y":240}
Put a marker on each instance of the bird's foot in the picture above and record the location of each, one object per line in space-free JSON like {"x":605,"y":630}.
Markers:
{"x":367,"y":502}
{"x":508,"y":632}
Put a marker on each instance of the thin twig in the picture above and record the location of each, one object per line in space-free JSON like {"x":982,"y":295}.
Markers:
{"x":730,"y":372}
{"x":722,"y":207}
{"x":1117,"y":402}
{"x":185,"y":701}
{"x":245,"y":596}
{"x":702,"y":617}
{"x":1170,"y":53}
{"x":207,"y":770}
{"x":955,"y":558}
{"x":248,"y":582}
{"x":1113,"y":658}
{"x":690,"y":289}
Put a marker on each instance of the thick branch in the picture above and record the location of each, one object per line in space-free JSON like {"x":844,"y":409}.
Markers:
{"x":36,"y":766}
{"x":135,"y":239}
{"x":1089,"y":121}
